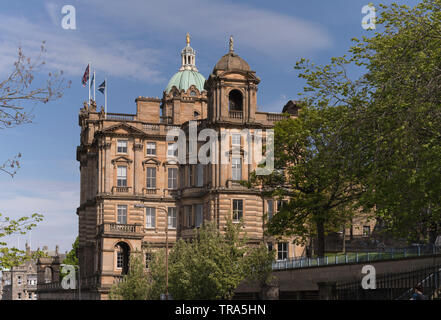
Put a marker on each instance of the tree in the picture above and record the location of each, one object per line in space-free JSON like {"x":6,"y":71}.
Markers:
{"x":210,"y":266}
{"x":72,"y":255}
{"x":136,"y":284}
{"x":396,"y":104}
{"x":10,"y":257}
{"x":258,"y":268}
{"x":16,"y":92}
{"x":316,"y":167}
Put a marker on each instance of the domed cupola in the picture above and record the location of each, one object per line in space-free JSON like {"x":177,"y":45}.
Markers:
{"x":188,"y":74}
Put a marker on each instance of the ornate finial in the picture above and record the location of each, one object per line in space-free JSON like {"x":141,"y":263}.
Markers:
{"x":188,"y":39}
{"x":231,"y":44}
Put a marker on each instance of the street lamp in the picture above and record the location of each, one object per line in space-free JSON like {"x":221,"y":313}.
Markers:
{"x":166,"y":245}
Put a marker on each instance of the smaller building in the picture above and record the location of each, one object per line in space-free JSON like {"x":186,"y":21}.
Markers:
{"x":20,"y":282}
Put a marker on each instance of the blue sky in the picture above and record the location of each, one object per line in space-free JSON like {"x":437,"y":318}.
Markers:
{"x":136,"y":45}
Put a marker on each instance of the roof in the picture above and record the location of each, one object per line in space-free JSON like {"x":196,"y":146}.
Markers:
{"x":232,"y":61}
{"x":183,"y":80}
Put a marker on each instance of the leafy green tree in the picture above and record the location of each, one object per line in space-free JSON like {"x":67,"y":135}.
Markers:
{"x":210,"y":266}
{"x":395,"y":106}
{"x":258,"y":267}
{"x":317,"y":170}
{"x":136,"y":285}
{"x":72,"y":255}
{"x":17,"y":91}
{"x":10,"y":257}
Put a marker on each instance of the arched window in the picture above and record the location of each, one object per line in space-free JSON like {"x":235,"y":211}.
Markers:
{"x":122,"y":257}
{"x":47,"y":275}
{"x":235,"y":100}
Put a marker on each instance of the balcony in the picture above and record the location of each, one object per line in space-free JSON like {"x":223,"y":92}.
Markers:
{"x":149,"y":191}
{"x":121,"y":230}
{"x":236,"y":114}
{"x":274,"y":117}
{"x":118,"y":190}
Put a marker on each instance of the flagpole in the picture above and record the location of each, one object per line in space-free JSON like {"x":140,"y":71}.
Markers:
{"x":105,"y":98}
{"x":88,"y":80}
{"x":94,"y":80}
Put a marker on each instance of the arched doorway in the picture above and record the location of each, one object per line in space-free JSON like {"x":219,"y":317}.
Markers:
{"x":122,"y":257}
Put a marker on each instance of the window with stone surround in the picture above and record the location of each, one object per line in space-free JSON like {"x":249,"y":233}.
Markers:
{"x":172,"y":178}
{"x":150,"y":217}
{"x":151,"y":178}
{"x":236,"y":168}
{"x":282,"y":251}
{"x":199,"y":214}
{"x":122,"y":214}
{"x":122,"y":146}
{"x":121,"y":176}
{"x":172,"y":218}
{"x":237,"y":210}
{"x":151,"y":148}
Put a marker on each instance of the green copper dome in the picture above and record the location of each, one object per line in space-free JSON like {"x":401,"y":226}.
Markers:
{"x":184,"y":79}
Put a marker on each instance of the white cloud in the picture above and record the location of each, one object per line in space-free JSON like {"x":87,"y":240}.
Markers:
{"x":56,"y":200}
{"x":266,"y":31}
{"x":70,"y":51}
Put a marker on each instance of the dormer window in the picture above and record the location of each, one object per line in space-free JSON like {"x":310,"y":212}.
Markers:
{"x":193,"y":94}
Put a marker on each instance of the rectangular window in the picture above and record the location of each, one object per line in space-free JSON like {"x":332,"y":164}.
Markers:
{"x":270,"y":209}
{"x":366,"y":231}
{"x":119,"y":259}
{"x":281,"y":204}
{"x":122,"y":176}
{"x":18,"y":279}
{"x":148,"y":258}
{"x":270,"y":246}
{"x":235,"y":139}
{"x":172,"y":150}
{"x":200,"y":175}
{"x":30,"y":295}
{"x":19,"y":296}
{"x":237,"y":210}
{"x":150,"y":217}
{"x":172,"y":218}
{"x":122,"y":146}
{"x":172,"y":178}
{"x":236,"y":169}
{"x":282,"y":251}
{"x":151,"y":178}
{"x":122,"y":214}
{"x":199,"y":214}
{"x":151,"y":148}
{"x":189,"y":216}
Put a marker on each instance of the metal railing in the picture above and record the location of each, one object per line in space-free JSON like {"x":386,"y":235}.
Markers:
{"x":390,"y":286}
{"x":120,"y":116}
{"x":357,"y":257}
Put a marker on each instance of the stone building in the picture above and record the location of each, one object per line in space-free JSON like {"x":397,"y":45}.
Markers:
{"x":135,"y":195}
{"x":20,"y":283}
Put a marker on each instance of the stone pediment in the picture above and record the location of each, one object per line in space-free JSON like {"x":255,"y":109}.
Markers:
{"x":121,"y":159}
{"x":122,"y":129}
{"x":151,"y":161}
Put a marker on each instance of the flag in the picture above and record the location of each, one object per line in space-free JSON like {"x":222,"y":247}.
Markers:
{"x":102,"y":87}
{"x":85,"y":76}
{"x":92,"y":80}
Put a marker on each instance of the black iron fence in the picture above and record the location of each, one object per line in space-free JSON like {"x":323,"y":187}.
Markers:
{"x":394,"y":286}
